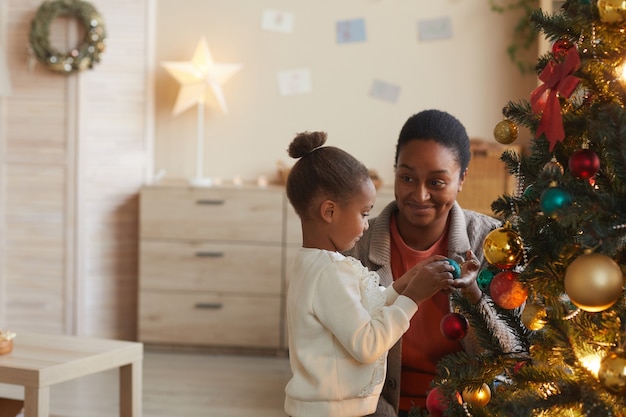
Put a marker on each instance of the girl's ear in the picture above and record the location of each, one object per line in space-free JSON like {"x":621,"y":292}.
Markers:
{"x":327,"y":210}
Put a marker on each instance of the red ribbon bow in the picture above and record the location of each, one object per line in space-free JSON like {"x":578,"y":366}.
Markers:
{"x":557,"y":78}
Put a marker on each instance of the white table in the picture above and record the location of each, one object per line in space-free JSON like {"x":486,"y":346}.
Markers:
{"x":39,"y":361}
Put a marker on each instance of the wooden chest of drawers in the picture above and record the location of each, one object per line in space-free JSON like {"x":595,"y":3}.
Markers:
{"x":211,"y":266}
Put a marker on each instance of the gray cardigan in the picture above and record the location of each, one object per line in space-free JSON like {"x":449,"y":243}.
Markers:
{"x":467,"y":230}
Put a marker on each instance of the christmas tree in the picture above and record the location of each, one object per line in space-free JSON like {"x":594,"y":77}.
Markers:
{"x":556,"y":266}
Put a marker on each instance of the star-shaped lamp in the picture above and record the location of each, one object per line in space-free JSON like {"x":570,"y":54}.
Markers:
{"x":201,"y":82}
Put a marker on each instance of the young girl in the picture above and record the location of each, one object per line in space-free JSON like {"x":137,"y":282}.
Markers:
{"x":341,"y":323}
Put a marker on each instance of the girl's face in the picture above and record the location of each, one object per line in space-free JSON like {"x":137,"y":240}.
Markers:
{"x":428,"y":179}
{"x":350,"y":219}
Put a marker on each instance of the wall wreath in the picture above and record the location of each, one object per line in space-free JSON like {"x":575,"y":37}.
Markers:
{"x":83,"y":56}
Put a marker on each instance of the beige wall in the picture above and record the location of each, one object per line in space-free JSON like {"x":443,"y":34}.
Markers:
{"x":468,"y":75}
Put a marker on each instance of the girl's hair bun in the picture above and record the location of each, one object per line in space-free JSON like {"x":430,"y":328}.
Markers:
{"x":305,"y":143}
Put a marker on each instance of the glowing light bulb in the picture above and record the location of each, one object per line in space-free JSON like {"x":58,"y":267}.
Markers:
{"x":592,"y":363}
{"x":620,"y":72}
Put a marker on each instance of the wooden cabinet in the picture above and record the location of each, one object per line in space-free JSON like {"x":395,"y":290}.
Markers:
{"x":211,"y":266}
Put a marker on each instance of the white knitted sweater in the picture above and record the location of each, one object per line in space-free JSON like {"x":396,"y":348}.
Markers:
{"x":341,"y":324}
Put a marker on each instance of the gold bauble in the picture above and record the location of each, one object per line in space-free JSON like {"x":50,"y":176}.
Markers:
{"x":533,"y":316}
{"x":503,"y":248}
{"x":612,"y":11}
{"x":594,"y":282}
{"x":477,"y":397}
{"x":612,"y":373}
{"x":505,"y":132}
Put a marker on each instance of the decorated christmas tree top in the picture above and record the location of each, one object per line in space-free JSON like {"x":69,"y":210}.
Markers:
{"x":556,"y":266}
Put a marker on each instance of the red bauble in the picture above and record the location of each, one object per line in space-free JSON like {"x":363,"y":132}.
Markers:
{"x":560,"y":48}
{"x":437,"y":403}
{"x":584,"y":163}
{"x":506,"y":290}
{"x":454,"y":326}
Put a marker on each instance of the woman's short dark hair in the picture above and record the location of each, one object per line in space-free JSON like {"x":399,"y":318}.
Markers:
{"x":438,"y":126}
{"x":321,"y":172}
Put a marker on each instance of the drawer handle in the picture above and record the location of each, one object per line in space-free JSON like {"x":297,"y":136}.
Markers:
{"x":209,"y":306}
{"x":209,"y":254}
{"x":210,"y":202}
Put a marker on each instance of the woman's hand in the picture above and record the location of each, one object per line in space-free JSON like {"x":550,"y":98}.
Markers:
{"x":467,"y":283}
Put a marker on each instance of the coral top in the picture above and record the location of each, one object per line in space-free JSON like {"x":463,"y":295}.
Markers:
{"x":423,"y":344}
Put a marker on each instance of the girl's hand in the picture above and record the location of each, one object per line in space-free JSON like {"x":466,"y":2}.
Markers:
{"x":433,"y":275}
{"x":401,"y":283}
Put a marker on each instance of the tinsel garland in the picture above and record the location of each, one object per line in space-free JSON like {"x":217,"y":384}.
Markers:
{"x":86,"y":54}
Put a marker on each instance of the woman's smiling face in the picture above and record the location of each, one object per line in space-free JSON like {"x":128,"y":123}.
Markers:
{"x":427,"y":181}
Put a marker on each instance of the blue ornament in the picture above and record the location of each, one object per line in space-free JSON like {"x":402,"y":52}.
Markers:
{"x":554,"y":199}
{"x":484,"y":278}
{"x":457,"y":269}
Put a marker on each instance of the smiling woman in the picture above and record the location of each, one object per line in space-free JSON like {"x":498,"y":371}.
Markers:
{"x":432,"y":158}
